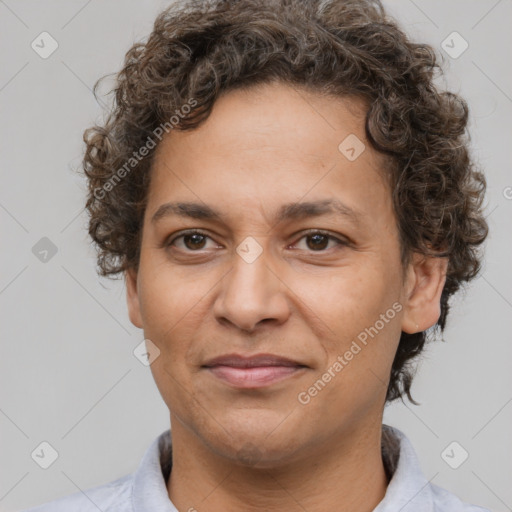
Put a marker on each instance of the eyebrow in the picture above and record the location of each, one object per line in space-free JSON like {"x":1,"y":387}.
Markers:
{"x":289,"y":211}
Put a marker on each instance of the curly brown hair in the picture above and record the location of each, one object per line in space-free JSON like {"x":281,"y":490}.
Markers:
{"x":199,"y":50}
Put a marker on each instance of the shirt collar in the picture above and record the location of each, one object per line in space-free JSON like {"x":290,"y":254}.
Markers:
{"x":149,"y":490}
{"x":407,"y":491}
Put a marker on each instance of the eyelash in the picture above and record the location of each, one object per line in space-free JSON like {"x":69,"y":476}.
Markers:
{"x":305,"y":234}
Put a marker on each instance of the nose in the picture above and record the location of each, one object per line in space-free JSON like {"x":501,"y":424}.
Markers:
{"x":251,"y":295}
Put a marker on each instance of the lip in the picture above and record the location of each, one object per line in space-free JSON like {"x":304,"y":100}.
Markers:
{"x":240,"y":361}
{"x":255,"y":371}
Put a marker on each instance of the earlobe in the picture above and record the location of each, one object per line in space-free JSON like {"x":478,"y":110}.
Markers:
{"x":422,"y":302}
{"x":132,"y":297}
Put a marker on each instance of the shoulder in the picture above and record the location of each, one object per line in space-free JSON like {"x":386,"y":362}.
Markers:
{"x":445,"y":501}
{"x":408,"y":489}
{"x":110,"y":497}
{"x":144,"y":489}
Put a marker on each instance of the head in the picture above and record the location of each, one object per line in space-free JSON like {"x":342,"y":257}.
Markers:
{"x":335,"y":206}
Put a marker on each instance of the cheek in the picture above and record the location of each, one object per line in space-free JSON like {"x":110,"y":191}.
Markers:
{"x":353,"y":299}
{"x":171,"y":313}
{"x":175,"y":306}
{"x":167,"y":299}
{"x":359,"y":359}
{"x":363,"y":315}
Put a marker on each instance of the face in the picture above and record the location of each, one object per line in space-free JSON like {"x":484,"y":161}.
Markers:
{"x":295,"y":255}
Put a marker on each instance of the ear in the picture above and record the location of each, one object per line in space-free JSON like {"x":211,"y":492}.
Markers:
{"x":425,"y":281}
{"x":132,"y":297}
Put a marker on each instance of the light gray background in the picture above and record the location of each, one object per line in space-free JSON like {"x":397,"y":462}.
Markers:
{"x":68,"y":375}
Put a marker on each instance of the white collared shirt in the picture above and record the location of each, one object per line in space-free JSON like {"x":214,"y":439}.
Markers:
{"x":145,"y":490}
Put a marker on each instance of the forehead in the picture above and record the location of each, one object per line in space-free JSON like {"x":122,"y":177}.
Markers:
{"x":274,"y":144}
{"x":275,"y":115}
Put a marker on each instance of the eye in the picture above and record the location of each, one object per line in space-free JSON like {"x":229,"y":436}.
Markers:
{"x":318,"y":241}
{"x":191,"y":240}
{"x":195,"y":241}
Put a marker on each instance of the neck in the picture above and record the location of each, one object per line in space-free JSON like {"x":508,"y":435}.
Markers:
{"x":345,"y":475}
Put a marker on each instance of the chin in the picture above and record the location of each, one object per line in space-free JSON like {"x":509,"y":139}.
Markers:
{"x":256,"y":445}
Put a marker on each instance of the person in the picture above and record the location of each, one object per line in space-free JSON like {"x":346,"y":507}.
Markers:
{"x":291,"y":202}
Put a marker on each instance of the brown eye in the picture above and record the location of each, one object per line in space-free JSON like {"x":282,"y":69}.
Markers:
{"x":191,"y":241}
{"x":194,"y":241}
{"x":318,"y":241}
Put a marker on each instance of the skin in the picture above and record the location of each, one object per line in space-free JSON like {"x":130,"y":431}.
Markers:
{"x":255,"y":449}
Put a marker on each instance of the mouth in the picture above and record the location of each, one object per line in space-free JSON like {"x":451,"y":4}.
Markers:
{"x":254,"y":371}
